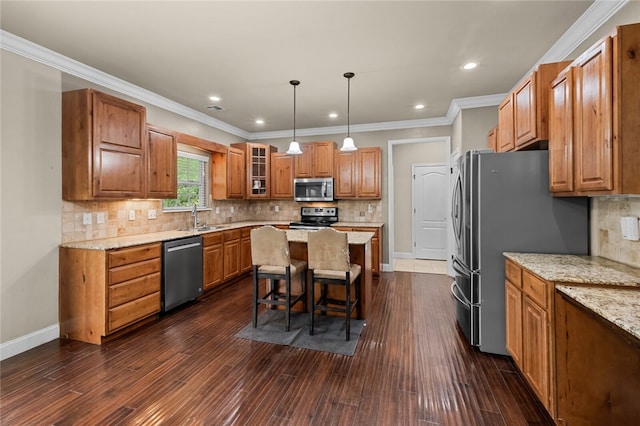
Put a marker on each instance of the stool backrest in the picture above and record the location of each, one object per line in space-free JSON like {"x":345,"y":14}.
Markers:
{"x":328,"y":249}
{"x":269,"y":246}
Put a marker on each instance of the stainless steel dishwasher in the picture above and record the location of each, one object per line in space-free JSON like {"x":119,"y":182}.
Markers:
{"x":181,"y":271}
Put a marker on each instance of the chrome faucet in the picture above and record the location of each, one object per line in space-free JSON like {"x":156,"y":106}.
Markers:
{"x":194,"y":213}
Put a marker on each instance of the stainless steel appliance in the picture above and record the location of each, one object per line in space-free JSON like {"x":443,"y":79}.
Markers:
{"x":501,"y":202}
{"x":313,"y":189}
{"x":315,"y":218}
{"x":181,"y":271}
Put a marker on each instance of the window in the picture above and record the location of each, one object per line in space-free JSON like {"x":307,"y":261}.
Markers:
{"x":193,"y":182}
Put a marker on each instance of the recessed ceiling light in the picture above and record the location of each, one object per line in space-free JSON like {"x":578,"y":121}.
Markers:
{"x":259,"y":121}
{"x":469,"y":66}
{"x":333,"y":115}
{"x":215,"y":98}
{"x":419,"y":106}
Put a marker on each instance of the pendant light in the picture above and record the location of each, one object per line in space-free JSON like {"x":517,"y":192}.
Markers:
{"x":347,"y":144}
{"x":294,"y":146}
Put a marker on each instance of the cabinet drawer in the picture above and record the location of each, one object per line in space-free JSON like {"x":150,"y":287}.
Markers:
{"x":133,"y":289}
{"x":133,"y":311}
{"x":513,"y":272}
{"x":135,"y":270}
{"x":535,"y":288}
{"x":233,"y":234}
{"x":133,"y":254}
{"x":211,"y":239}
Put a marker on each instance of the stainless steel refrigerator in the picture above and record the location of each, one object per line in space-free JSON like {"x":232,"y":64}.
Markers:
{"x":501,"y":202}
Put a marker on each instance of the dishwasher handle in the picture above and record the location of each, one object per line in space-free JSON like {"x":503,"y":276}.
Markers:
{"x":183,"y":247}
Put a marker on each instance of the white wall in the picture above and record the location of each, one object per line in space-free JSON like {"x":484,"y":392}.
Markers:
{"x":31,"y":200}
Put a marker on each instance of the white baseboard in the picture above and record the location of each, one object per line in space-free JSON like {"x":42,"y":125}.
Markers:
{"x":29,"y":341}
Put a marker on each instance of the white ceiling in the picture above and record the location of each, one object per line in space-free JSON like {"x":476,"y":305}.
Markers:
{"x":402,"y":53}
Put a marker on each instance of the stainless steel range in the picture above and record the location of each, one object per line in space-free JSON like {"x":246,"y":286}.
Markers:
{"x":315,"y":218}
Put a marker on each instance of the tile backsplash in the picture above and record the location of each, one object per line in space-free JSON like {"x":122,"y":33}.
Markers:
{"x":116,"y":219}
{"x":607,"y":240}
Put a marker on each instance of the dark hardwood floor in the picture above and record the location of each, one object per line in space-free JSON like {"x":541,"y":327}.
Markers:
{"x":411,"y":367}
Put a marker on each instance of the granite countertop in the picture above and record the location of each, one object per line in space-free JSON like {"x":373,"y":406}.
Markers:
{"x":577,"y":269}
{"x":360,"y":224}
{"x":619,"y":306}
{"x":155,"y":237}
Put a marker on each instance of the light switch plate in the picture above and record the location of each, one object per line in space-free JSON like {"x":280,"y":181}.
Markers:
{"x":630,"y":228}
{"x":86,"y":218}
{"x":152,"y":214}
{"x":132,"y":215}
{"x":100,"y":217}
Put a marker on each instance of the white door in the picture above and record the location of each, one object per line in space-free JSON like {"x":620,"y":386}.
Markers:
{"x":430,"y":211}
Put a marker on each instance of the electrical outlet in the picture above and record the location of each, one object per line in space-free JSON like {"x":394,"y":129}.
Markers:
{"x":277,"y":208}
{"x":86,"y":218}
{"x":152,"y":214}
{"x":233,"y":209}
{"x":370,"y":208}
{"x":217,"y":210}
{"x":132,"y":215}
{"x":100,"y":217}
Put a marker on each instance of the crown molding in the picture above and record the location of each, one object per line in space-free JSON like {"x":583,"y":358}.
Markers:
{"x":35,"y":52}
{"x":592,"y":19}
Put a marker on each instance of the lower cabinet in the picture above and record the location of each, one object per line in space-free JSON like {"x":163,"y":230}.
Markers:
{"x":106,"y":291}
{"x":231,"y":248}
{"x":529,"y":333}
{"x":212,"y":260}
{"x":245,"y":250}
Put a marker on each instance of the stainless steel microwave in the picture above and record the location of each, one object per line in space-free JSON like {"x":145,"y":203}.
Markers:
{"x":313,"y":189}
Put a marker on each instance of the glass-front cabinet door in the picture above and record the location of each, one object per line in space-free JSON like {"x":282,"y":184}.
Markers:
{"x":259,"y":171}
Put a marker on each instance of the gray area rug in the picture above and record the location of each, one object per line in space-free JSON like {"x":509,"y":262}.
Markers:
{"x":328,"y":332}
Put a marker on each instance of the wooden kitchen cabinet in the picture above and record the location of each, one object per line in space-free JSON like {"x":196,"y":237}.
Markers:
{"x":316,"y":160}
{"x":212,"y":260}
{"x":282,"y":174}
{"x":231,"y":249}
{"x":529,"y":330}
{"x":258,"y":169}
{"x":598,"y":368}
{"x":228,"y":174}
{"x":103,"y":147}
{"x":604,"y":88}
{"x":505,"y":138}
{"x":162,"y":167}
{"x":358,"y":173}
{"x":492,"y":139}
{"x":561,"y":133}
{"x":245,"y":249}
{"x":104,"y":292}
{"x":531,"y":105}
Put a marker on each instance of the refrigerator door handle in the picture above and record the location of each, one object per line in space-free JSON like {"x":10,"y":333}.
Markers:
{"x":459,"y":297}
{"x":461,"y":268}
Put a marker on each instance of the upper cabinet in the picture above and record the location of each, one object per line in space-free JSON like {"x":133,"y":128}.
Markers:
{"x":523,"y":117}
{"x":258,"y":169}
{"x":358,"y":173}
{"x":492,"y":139}
{"x":596,"y":132}
{"x":282,"y":166}
{"x":103,"y":147}
{"x":228,"y":174}
{"x":162,"y":180}
{"x":316,"y":160}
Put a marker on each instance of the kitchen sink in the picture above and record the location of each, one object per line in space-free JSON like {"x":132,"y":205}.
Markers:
{"x":205,"y":228}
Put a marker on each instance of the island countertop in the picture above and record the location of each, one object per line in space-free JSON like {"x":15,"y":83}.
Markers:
{"x":619,"y":306}
{"x":154,"y":237}
{"x":577,"y":269}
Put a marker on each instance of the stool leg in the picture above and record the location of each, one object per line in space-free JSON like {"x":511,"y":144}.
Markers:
{"x":288,"y":296}
{"x":255,"y":296}
{"x":348,"y":303}
{"x":313,"y":301}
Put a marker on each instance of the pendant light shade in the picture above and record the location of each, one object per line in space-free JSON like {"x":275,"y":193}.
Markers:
{"x":347,"y":144}
{"x":294,"y":146}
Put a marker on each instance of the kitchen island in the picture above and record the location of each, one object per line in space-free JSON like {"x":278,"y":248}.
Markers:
{"x":573,"y":329}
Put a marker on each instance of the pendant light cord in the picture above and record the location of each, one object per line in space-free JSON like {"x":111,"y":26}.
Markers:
{"x":294,"y":83}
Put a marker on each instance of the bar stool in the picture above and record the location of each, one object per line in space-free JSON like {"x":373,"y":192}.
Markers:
{"x":271,"y":261}
{"x":329,"y":264}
